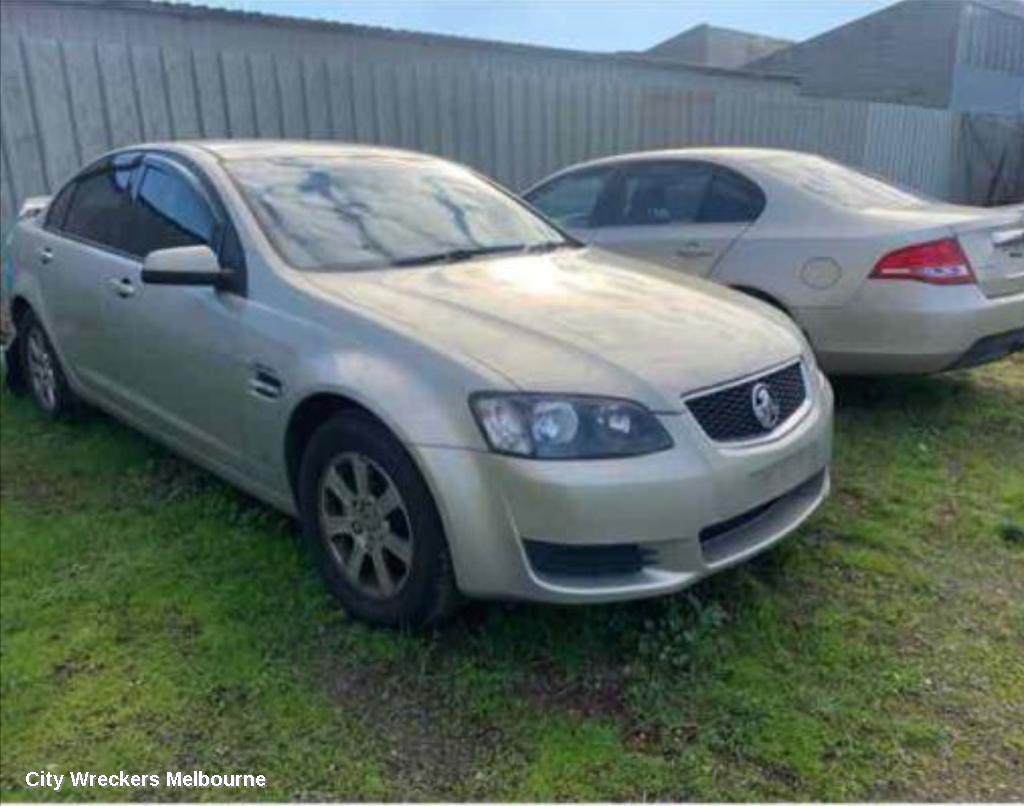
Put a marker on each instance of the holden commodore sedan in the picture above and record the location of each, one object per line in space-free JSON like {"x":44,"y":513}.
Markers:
{"x":882,"y":279}
{"x":450,"y":394}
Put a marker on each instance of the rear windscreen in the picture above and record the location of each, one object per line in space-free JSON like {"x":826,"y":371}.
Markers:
{"x":841,"y":185}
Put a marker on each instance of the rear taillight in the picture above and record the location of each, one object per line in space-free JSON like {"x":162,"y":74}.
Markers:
{"x":939,"y":263}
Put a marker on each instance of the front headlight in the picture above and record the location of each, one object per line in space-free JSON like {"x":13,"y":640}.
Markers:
{"x":543,"y":426}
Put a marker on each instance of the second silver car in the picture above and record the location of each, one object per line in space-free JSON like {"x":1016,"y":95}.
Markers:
{"x":882,"y":279}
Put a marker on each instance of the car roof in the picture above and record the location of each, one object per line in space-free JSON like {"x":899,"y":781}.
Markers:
{"x":739,"y":154}
{"x":725,"y":155}
{"x":228,"y":150}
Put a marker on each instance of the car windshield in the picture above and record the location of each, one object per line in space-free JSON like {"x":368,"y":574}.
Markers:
{"x":841,"y":185}
{"x":348,"y":213}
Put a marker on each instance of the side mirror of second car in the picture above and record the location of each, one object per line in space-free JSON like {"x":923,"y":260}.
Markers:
{"x":183,"y":265}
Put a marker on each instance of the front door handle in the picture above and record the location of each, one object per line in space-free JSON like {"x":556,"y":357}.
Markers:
{"x":694,"y":249}
{"x":45,"y":255}
{"x":123,"y":287}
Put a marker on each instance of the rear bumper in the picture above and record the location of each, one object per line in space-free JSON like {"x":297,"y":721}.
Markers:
{"x":586,"y":532}
{"x":991,"y":348}
{"x":911,"y":328}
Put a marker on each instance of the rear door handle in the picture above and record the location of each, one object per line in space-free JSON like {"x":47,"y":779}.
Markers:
{"x":123,"y":287}
{"x":45,"y":254}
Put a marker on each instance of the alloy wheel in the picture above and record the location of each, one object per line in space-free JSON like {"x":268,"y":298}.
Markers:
{"x":42,"y":370}
{"x":365,"y":524}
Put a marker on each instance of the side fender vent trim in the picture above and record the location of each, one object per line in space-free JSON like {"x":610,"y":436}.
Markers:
{"x":265,"y":383}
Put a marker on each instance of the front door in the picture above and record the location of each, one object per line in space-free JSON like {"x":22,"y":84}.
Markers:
{"x":572,"y":200}
{"x":179,"y":346}
{"x":655,"y":213}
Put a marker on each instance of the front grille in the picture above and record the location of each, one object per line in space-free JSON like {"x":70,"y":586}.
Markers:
{"x":728,"y":415}
{"x":557,"y":559}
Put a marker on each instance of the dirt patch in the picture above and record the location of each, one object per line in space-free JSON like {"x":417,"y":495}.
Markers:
{"x":38,"y":492}
{"x":65,"y":671}
{"x":428,"y":747}
{"x":161,"y":481}
{"x":601,"y":694}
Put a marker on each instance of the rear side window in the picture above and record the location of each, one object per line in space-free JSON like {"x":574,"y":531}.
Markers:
{"x":59,"y":208}
{"x":170,"y":213}
{"x":100,"y":209}
{"x":731,"y":198}
{"x":661,"y":193}
{"x":571,"y":200}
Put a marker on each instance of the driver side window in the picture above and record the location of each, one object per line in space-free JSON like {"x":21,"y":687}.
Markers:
{"x":571,"y":201}
{"x":169,"y":213}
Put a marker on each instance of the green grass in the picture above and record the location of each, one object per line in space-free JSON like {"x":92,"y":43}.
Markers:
{"x":155,"y":619}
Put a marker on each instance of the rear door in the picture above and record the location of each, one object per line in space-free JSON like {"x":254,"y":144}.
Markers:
{"x":683,"y":215}
{"x":82,"y":241}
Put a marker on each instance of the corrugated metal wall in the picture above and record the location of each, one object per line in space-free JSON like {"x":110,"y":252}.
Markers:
{"x":516,"y":113}
{"x":989,"y":71}
{"x":901,"y":54}
{"x":990,"y":153}
{"x":992,"y":39}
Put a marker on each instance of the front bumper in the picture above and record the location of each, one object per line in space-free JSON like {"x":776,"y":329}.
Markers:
{"x":911,"y":328}
{"x":742,"y":499}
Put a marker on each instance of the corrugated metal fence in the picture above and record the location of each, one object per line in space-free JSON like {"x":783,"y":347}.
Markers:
{"x":66,"y":100}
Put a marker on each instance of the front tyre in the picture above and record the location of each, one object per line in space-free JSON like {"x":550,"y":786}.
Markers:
{"x":372,"y":525}
{"x":42,"y":370}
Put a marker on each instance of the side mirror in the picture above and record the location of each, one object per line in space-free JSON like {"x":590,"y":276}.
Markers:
{"x":183,"y":265}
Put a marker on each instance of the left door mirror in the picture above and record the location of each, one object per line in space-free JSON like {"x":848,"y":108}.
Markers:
{"x":183,"y":265}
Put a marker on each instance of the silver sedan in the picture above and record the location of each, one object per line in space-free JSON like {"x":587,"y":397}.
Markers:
{"x":880,"y":278}
{"x":450,"y":394}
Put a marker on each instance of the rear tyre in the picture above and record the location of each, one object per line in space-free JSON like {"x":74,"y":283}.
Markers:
{"x":43,"y":375}
{"x":372,"y":526}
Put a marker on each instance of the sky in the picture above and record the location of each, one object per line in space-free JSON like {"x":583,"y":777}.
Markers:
{"x":598,"y":25}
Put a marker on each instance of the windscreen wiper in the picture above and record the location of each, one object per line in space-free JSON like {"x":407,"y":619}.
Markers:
{"x":549,"y":246}
{"x":457,"y":255}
